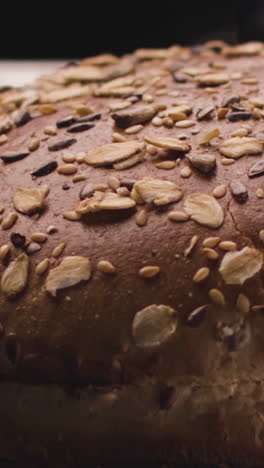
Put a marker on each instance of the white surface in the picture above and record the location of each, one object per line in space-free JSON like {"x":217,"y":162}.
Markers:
{"x":19,"y":73}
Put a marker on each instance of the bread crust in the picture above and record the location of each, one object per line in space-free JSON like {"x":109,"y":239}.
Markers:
{"x":196,"y":395}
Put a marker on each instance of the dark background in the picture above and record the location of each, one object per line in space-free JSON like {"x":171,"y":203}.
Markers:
{"x":77,"y":30}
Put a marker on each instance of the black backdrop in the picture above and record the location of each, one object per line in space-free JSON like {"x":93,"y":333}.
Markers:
{"x":72,"y":31}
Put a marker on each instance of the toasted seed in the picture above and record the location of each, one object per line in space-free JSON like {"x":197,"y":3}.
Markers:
{"x":9,"y":220}
{"x":236,"y":116}
{"x":220,"y":191}
{"x":149,"y":271}
{"x":80,"y":128}
{"x":206,"y":113}
{"x":227,"y":245}
{"x":67,"y":169}
{"x":211,"y":241}
{"x":209,"y":136}
{"x":39,"y":237}
{"x":50,"y":130}
{"x":141,"y":217}
{"x":34,"y":144}
{"x":79,"y":178}
{"x":42,"y":267}
{"x":57,"y":251}
{"x":60,"y":145}
{"x":191,"y":246}
{"x":256,"y":169}
{"x":239,"y":191}
{"x":217,"y":297}
{"x":45,"y":170}
{"x":178,"y":216}
{"x":18,"y":240}
{"x":106,"y":267}
{"x":186,"y":172}
{"x":4,"y":251}
{"x":71,"y":215}
{"x":211,"y":253}
{"x":204,"y":163}
{"x":165,"y":164}
{"x":243,"y":304}
{"x":196,"y":317}
{"x":201,"y":274}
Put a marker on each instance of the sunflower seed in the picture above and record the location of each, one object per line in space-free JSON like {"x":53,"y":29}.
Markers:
{"x":206,"y":113}
{"x":80,"y":128}
{"x":212,"y":79}
{"x":236,"y":116}
{"x":204,"y":163}
{"x":46,"y":169}
{"x":60,"y":145}
{"x":13,"y":157}
{"x":228,"y":101}
{"x":197,"y":316}
{"x":257,"y":169}
{"x":22,"y":117}
{"x":18,"y":240}
{"x":66,"y":121}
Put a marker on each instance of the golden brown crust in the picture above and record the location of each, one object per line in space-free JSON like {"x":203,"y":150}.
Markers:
{"x":84,"y":328}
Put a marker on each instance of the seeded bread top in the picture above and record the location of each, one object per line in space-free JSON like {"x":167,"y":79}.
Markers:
{"x":131,"y":218}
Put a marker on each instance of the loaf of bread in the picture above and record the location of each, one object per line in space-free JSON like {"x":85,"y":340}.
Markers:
{"x":131,"y":260}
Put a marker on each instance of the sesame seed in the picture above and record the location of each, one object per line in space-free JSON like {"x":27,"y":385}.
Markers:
{"x":34,"y":144}
{"x":165,"y":164}
{"x":49,"y":130}
{"x":123,"y":192}
{"x":39,"y":237}
{"x":201,"y":275}
{"x":71,"y":215}
{"x":42,"y":267}
{"x":185,"y":123}
{"x":57,"y":251}
{"x":217,"y":297}
{"x":134,"y":129}
{"x":113,"y":182}
{"x":79,"y":178}
{"x":228,"y":245}
{"x":227,"y":161}
{"x":4,"y":251}
{"x":67,"y":169}
{"x":260,"y":193}
{"x":178,"y":216}
{"x":68,"y":157}
{"x":149,"y":271}
{"x":117,"y":137}
{"x":192,"y":244}
{"x":211,"y":253}
{"x":141,"y":217}
{"x":104,"y":266}
{"x":243,"y":304}
{"x":9,"y":220}
{"x":80,"y":157}
{"x":52,"y":229}
{"x":220,"y":191}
